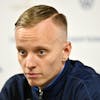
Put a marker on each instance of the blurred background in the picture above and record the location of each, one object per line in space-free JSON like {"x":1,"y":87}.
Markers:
{"x":83,"y":30}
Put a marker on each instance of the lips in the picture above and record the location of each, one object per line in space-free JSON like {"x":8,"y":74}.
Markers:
{"x":32,"y":75}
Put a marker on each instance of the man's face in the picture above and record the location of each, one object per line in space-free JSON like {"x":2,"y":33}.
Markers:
{"x":40,"y":52}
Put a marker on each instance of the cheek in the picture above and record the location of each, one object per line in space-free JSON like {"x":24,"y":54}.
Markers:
{"x":53,"y":63}
{"x":55,"y":59}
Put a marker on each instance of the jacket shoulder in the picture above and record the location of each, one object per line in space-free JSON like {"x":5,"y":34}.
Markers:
{"x":85,"y":80}
{"x":82,"y":72}
{"x":16,"y":79}
{"x":16,"y":88}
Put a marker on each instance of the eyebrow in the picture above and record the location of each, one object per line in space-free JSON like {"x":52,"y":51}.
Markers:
{"x":41,"y":47}
{"x":35,"y":48}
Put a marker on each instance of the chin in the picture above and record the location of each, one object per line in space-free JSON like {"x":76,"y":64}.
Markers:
{"x":34,"y":83}
{"x":31,"y":83}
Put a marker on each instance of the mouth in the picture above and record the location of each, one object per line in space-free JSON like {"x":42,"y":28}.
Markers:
{"x":32,"y":75}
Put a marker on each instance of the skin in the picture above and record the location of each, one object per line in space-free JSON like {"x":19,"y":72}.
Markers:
{"x":42,"y":51}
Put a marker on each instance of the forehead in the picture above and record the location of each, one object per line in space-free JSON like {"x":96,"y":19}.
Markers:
{"x":44,"y":30}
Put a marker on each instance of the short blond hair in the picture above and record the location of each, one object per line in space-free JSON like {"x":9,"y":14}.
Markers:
{"x":36,"y":14}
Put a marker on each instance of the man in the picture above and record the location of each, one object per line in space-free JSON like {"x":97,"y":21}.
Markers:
{"x":43,"y":53}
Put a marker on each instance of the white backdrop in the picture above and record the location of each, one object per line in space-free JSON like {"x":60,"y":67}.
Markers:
{"x":83,"y":29}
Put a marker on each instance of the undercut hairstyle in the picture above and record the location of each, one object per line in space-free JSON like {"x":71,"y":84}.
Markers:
{"x":38,"y":13}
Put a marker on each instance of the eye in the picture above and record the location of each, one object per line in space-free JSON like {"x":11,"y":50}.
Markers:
{"x":42,"y":52}
{"x":22,"y":52}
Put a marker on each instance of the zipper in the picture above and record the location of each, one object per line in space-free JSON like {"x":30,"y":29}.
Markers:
{"x":40,"y":94}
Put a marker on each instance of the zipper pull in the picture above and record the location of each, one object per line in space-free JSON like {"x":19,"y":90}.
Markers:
{"x":40,"y":94}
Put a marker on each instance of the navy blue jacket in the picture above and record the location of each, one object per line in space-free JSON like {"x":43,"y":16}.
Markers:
{"x":76,"y":82}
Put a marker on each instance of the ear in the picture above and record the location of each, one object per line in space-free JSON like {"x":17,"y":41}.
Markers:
{"x":66,"y":50}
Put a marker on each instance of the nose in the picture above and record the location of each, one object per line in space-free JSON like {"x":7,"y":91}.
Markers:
{"x":30,"y":61}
